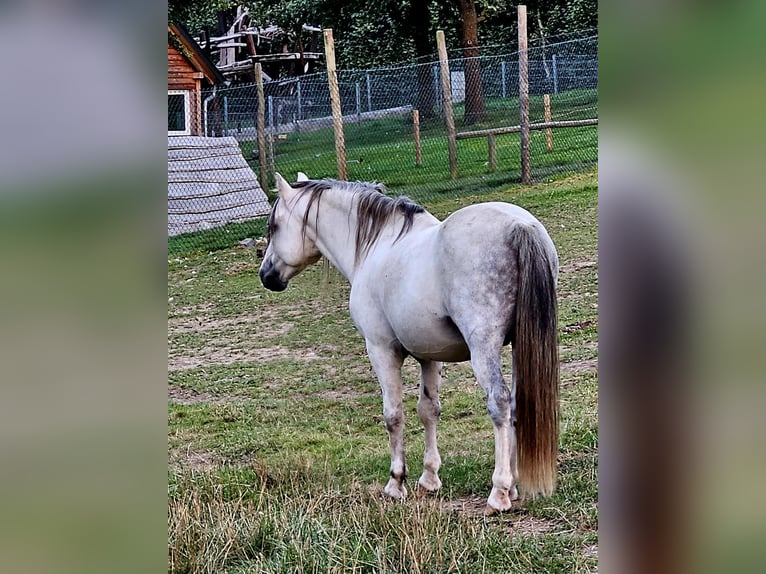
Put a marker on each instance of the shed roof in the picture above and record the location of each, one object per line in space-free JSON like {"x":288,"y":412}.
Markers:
{"x":195,"y":55}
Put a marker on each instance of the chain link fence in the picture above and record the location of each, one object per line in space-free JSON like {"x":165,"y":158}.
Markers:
{"x":394,"y":126}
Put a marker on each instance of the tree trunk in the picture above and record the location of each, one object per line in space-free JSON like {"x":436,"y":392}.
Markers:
{"x":420,"y":28}
{"x":474,"y":93}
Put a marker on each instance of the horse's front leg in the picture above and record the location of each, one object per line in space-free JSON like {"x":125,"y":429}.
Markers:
{"x":387,"y":364}
{"x":429,"y":410}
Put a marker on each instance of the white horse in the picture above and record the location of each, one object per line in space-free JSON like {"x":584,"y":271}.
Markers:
{"x":438,"y":291}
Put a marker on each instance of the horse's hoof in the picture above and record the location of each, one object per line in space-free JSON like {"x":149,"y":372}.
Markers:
{"x":499,"y":501}
{"x":394,"y":489}
{"x":429,"y":483}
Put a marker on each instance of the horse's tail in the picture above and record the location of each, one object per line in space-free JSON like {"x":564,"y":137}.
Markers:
{"x":536,"y":361}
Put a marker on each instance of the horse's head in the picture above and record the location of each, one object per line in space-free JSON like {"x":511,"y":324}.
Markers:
{"x":290,"y":248}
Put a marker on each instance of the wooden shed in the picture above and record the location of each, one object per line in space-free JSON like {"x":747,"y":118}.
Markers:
{"x":189,"y":70}
{"x":210,"y":184}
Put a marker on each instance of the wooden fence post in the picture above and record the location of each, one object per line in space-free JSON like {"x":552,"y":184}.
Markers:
{"x":492,"y":152}
{"x":416,"y":128}
{"x":548,"y":131}
{"x":449,"y":118}
{"x":337,"y":114}
{"x":260,"y":127}
{"x":526,"y":174}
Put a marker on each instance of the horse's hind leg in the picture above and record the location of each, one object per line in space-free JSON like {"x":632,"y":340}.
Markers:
{"x":387,"y":364}
{"x":485,"y":360}
{"x":429,"y":410}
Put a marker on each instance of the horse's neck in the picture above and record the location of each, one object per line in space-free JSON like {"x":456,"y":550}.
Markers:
{"x":336,"y":233}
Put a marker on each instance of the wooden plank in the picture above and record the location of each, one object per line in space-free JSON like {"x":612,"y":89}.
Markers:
{"x":416,"y":129}
{"x":517,"y":129}
{"x":260,"y":121}
{"x":547,"y":113}
{"x":178,"y":84}
{"x":180,"y":65}
{"x":492,"y":152}
{"x":286,"y":56}
{"x":449,"y":118}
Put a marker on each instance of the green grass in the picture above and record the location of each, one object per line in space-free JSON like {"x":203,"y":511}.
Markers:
{"x":218,"y":238}
{"x":384,"y":150}
{"x":276,"y":444}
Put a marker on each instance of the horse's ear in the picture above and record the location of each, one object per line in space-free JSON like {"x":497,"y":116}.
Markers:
{"x":302,"y":176}
{"x":283,"y":188}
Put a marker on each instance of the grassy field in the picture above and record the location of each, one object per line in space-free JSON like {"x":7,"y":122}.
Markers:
{"x":278,"y":452}
{"x":384,"y":149}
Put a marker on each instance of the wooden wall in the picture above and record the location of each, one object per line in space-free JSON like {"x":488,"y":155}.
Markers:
{"x":183,"y":76}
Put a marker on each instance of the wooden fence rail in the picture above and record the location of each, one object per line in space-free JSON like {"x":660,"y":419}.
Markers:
{"x":517,"y":129}
{"x":491,"y":135}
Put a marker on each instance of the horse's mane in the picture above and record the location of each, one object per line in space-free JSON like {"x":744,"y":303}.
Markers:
{"x":374,"y":209}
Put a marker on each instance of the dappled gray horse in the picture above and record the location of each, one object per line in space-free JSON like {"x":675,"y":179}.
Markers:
{"x":455,"y":290}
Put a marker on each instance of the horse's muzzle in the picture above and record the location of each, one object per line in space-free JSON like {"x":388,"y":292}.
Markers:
{"x":270,"y":278}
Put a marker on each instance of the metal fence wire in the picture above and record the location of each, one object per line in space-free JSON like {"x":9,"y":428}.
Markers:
{"x":380,"y":127}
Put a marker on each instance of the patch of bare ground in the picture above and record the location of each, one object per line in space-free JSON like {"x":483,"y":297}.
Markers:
{"x":188,"y":397}
{"x":268,"y":323}
{"x":469,"y":506}
{"x":583,"y":366}
{"x":242,"y":267}
{"x":344,"y":394}
{"x":573,"y":266}
{"x":227,"y":356}
{"x":194,"y":460}
{"x":522,"y":524}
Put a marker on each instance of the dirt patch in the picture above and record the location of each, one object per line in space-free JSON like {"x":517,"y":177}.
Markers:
{"x":188,"y":397}
{"x":344,"y":394}
{"x":522,"y":524}
{"x":257,"y":323}
{"x":574,"y":327}
{"x":194,"y":460}
{"x":574,"y":266}
{"x":470,"y":506}
{"x":242,"y":267}
{"x":531,"y":526}
{"x":583,"y":366}
{"x":226,"y":356}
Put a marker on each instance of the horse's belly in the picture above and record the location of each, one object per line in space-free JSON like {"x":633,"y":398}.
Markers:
{"x":437,"y":340}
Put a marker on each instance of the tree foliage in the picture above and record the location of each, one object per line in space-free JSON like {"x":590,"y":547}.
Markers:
{"x":369,"y":33}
